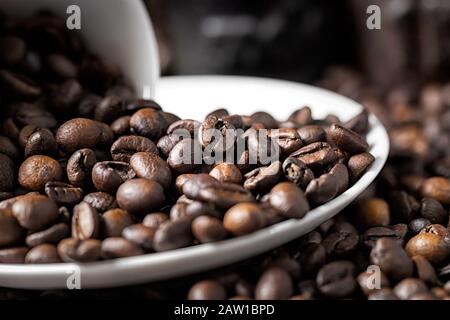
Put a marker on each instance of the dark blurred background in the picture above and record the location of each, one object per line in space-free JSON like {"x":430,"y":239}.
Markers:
{"x":303,"y":40}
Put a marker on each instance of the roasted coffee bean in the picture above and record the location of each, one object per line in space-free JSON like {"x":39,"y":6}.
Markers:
{"x":139,"y":196}
{"x":412,"y":183}
{"x":82,"y":133}
{"x":433,"y":210}
{"x":37,"y":170}
{"x":263,"y":178}
{"x":43,"y":253}
{"x":416,"y":225}
{"x":265,"y":119}
{"x":312,"y":258}
{"x":208,"y":229}
{"x":121,"y":125}
{"x":124,"y":147}
{"x":61,"y":66}
{"x":316,"y":155}
{"x":140,"y":234}
{"x":437,"y":188}
{"x":207,"y":290}
{"x":195,"y":209}
{"x":35,"y":212}
{"x":151,"y":166}
{"x":169,"y":118}
{"x":425,"y":270}
{"x":287,"y":139}
{"x":184,"y":126}
{"x":312,"y":133}
{"x":79,"y":167}
{"x":244,"y":218}
{"x":154,"y":220}
{"x":373,"y":212}
{"x":8,"y":148}
{"x":297,"y":172}
{"x":409,"y":287}
{"x":172,"y":235}
{"x":432,"y":242}
{"x":10,"y":230}
{"x":108,"y":109}
{"x":107,"y":176}
{"x":289,"y":200}
{"x":53,"y":235}
{"x":302,"y":116}
{"x":274,"y":284}
{"x":166,"y":143}
{"x":63,"y":193}
{"x":7,"y":173}
{"x":118,"y":247}
{"x":336,"y":279}
{"x":41,"y":142}
{"x":185,"y":156}
{"x":101,"y":201}
{"x":284,"y":261}
{"x":359,"y":123}
{"x":66,"y":96}
{"x":113,"y":222}
{"x":347,"y":140}
{"x":226,"y":172}
{"x":366,"y":282}
{"x":148,"y":122}
{"x":340,"y":172}
{"x":74,"y":250}
{"x":392,"y":259}
{"x":31,"y":114}
{"x":322,"y":189}
{"x":87,"y":105}
{"x":404,"y":206}
{"x":358,"y":164}
{"x":341,"y":244}
{"x":15,"y":255}
{"x":10,"y":128}
{"x":216,"y":134}
{"x":19,"y":85}
{"x":85,"y":222}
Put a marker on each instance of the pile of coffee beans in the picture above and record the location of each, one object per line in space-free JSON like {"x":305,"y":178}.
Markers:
{"x":89,"y":172}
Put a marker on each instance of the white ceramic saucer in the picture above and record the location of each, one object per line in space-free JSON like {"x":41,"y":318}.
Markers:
{"x":193,"y":97}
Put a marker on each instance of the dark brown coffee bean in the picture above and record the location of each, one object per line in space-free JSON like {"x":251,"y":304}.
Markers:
{"x":85,"y":222}
{"x":437,"y":188}
{"x":121,"y":125}
{"x":19,"y":84}
{"x":8,"y":148}
{"x":12,"y":50}
{"x":184,"y":126}
{"x":79,"y":167}
{"x":263,"y":178}
{"x":148,"y":122}
{"x":173,"y":235}
{"x":154,"y":220}
{"x":66,"y":96}
{"x":433,"y":210}
{"x":10,"y":230}
{"x":373,"y":212}
{"x":63,"y":193}
{"x":114,"y":221}
{"x":140,"y":234}
{"x":37,"y":170}
{"x":139,"y":196}
{"x":341,"y":244}
{"x":359,"y":123}
{"x":185,"y":156}
{"x":74,"y":250}
{"x":10,"y":128}
{"x":287,"y":139}
{"x":35,"y":212}
{"x":312,"y":133}
{"x":274,"y":284}
{"x":433,"y":243}
{"x":322,"y":189}
{"x":404,"y":206}
{"x":109,"y":175}
{"x":31,"y":114}
{"x":226,"y":172}
{"x":7,"y":173}
{"x":15,"y":255}
{"x":409,"y":287}
{"x":392,"y":259}
{"x":166,"y":143}
{"x":208,"y":229}
{"x":101,"y":201}
{"x":336,"y":279}
{"x":216,"y":135}
{"x":297,"y":172}
{"x":425,"y":270}
{"x":87,"y":105}
{"x":54,"y":234}
{"x":43,"y":253}
{"x":302,"y":116}
{"x":316,"y":155}
{"x":207,"y":290}
{"x":117,"y":247}
{"x":124,"y":147}
{"x":41,"y":142}
{"x":244,"y":218}
{"x":108,"y":109}
{"x":358,"y":164}
{"x":82,"y":133}
{"x":265,"y":119}
{"x":289,"y":200}
{"x":416,"y":225}
{"x":61,"y":66}
{"x":347,"y":140}
{"x":151,"y":166}
{"x":312,"y":258}
{"x":368,"y":283}
{"x":340,"y":172}
{"x":371,"y":235}
{"x":195,"y":209}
